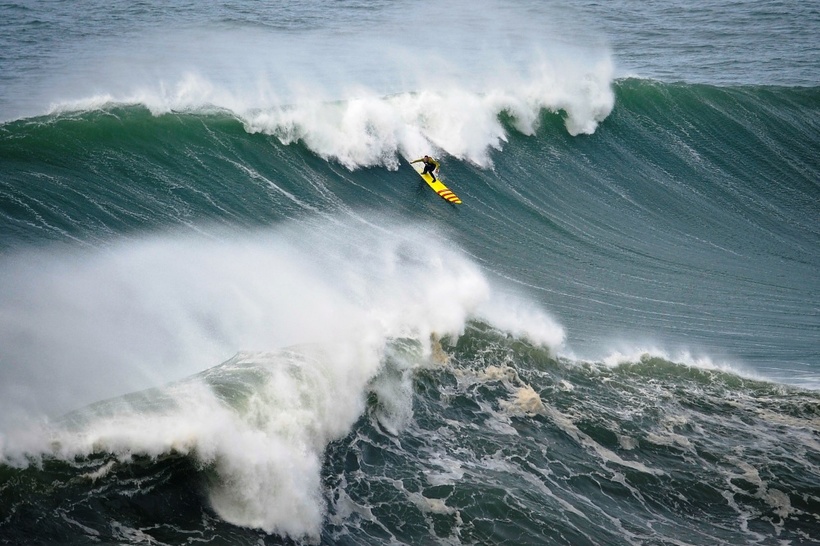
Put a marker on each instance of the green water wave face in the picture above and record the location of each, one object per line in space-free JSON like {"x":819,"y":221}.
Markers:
{"x":739,"y":150}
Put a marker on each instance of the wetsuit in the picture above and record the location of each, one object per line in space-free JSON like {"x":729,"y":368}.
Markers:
{"x":430,"y":165}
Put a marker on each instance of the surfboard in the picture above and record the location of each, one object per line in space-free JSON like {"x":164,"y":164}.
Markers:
{"x":437,"y":186}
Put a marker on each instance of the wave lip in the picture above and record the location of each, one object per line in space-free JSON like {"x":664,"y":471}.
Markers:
{"x":366,"y":129}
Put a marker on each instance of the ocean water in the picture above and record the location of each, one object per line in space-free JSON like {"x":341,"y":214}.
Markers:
{"x":231,"y":313}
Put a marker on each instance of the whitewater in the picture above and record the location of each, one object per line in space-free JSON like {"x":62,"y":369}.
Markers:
{"x":231,"y":313}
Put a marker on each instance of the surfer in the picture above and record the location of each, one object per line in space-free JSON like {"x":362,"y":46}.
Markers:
{"x":430,"y":166}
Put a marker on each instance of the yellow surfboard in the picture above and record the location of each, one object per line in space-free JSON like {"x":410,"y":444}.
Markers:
{"x":437,"y":186}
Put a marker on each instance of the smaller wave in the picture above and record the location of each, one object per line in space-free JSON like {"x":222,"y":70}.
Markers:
{"x":343,"y":292}
{"x":674,"y":362}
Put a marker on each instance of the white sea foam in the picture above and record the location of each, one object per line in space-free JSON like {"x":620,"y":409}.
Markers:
{"x":264,"y":444}
{"x":368,"y":129}
{"x":363,"y":128}
{"x":80,"y":325}
{"x":515,"y":315}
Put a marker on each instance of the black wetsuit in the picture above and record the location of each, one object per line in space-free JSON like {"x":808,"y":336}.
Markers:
{"x":429,"y":167}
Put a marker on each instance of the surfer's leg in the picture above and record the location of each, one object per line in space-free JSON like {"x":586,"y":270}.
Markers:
{"x":428,"y":169}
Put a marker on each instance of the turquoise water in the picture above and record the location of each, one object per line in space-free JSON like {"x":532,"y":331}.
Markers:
{"x":230,"y":312}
